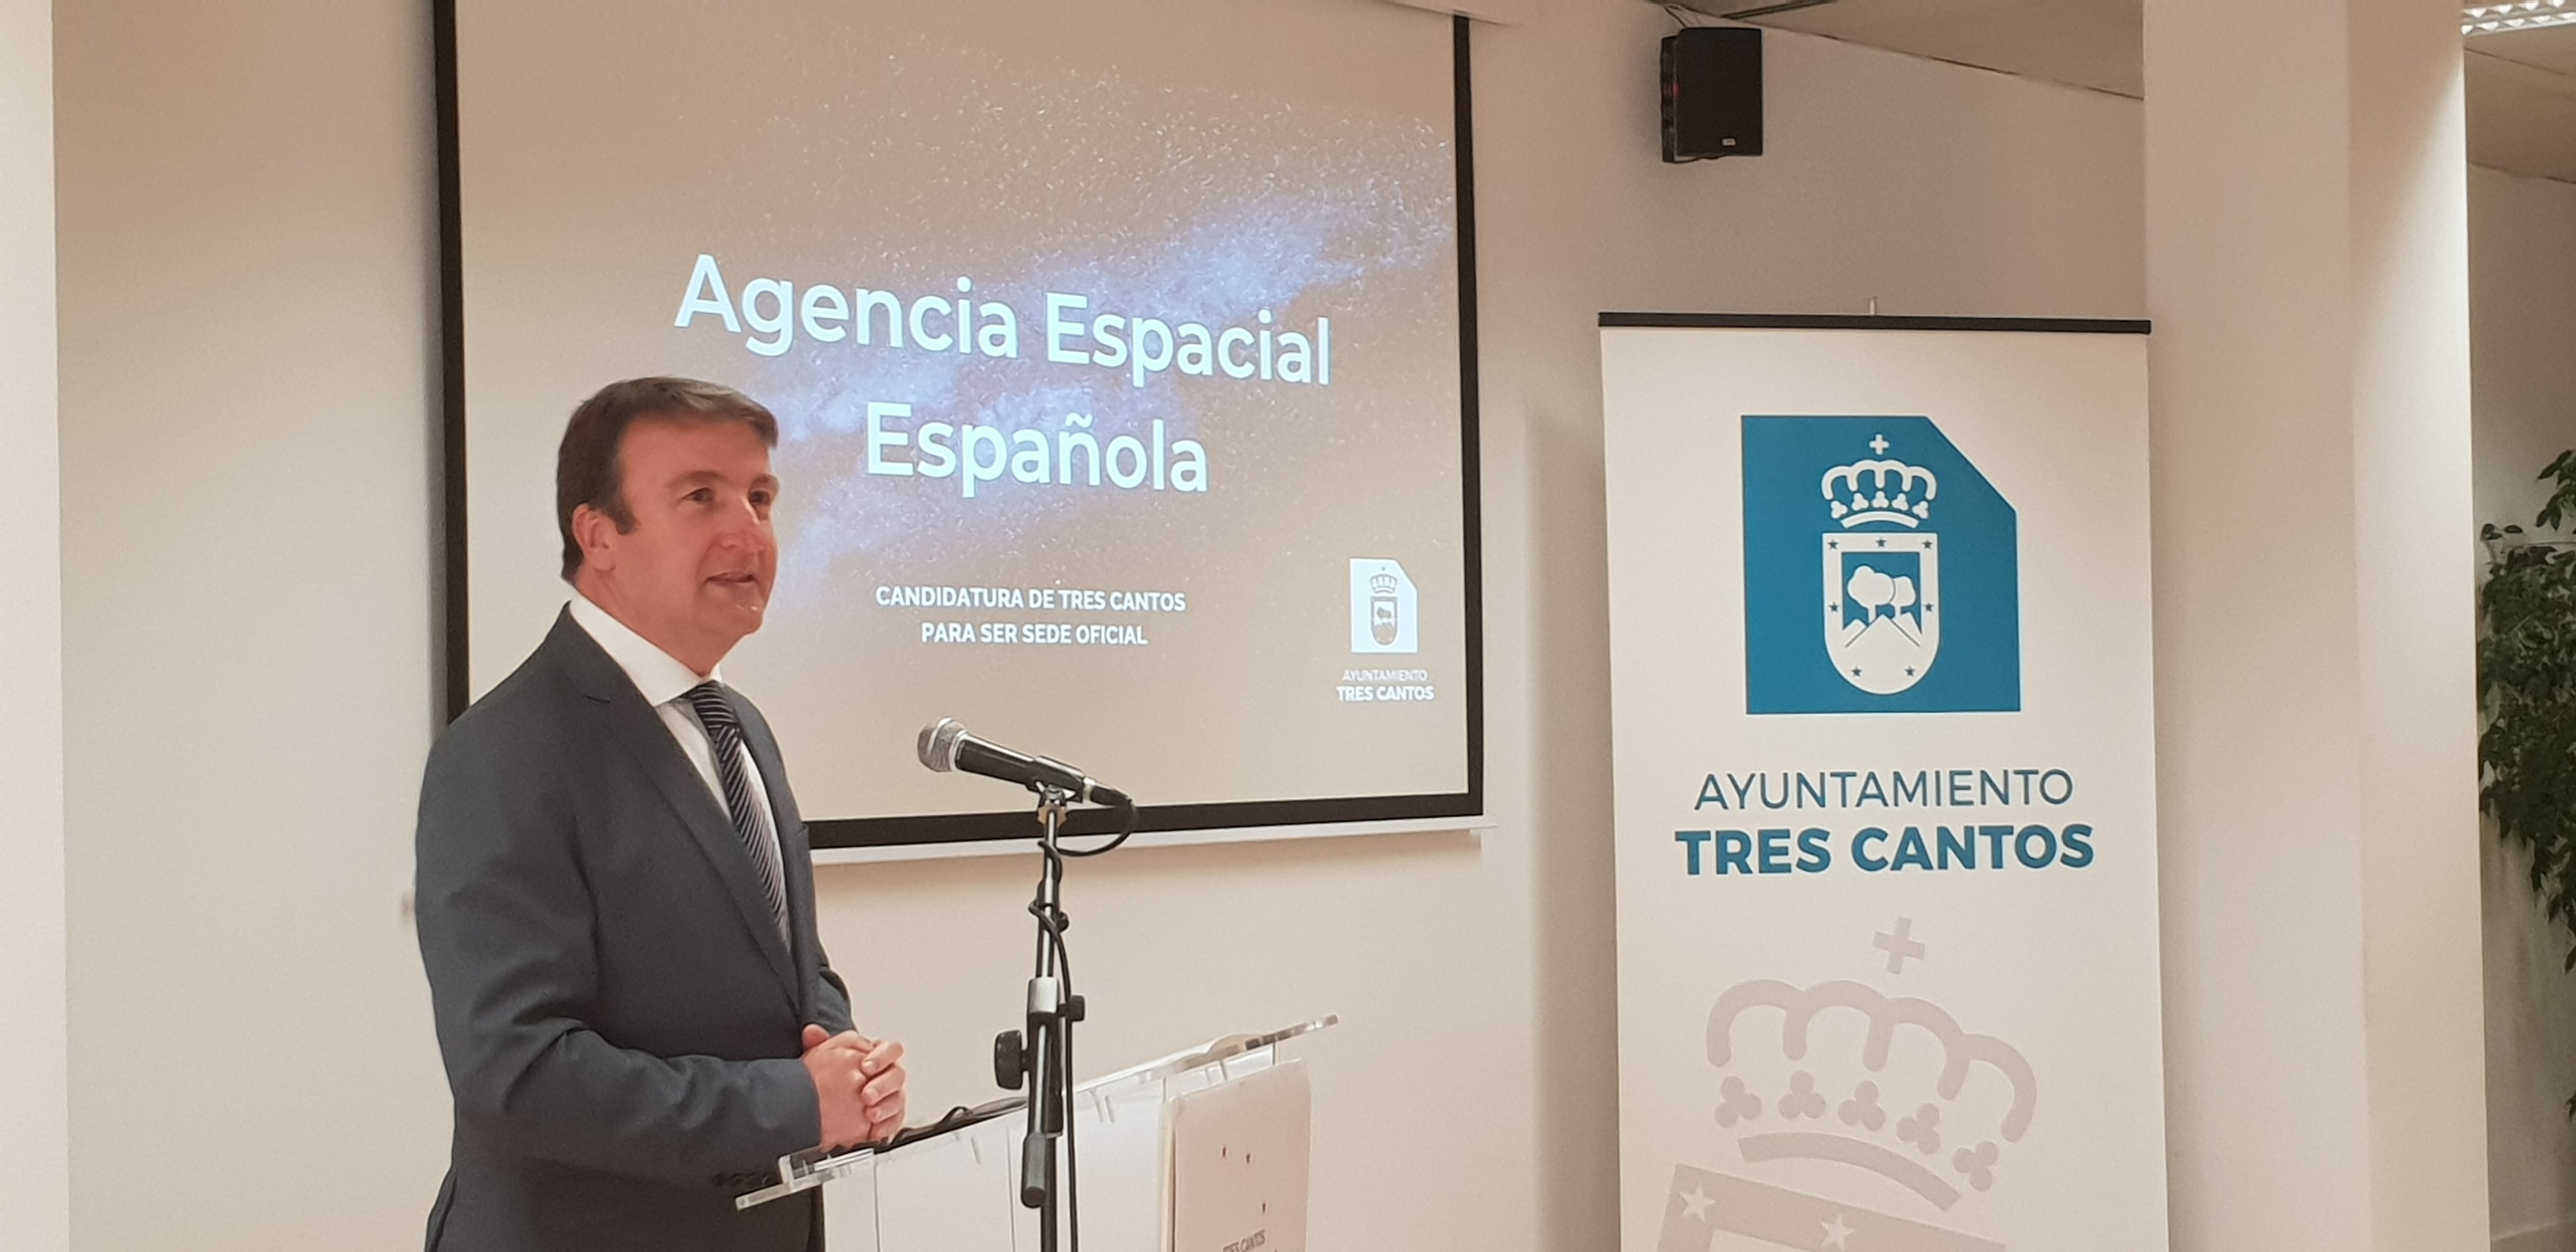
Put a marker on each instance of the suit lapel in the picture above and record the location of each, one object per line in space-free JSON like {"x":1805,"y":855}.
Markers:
{"x":641,"y":731}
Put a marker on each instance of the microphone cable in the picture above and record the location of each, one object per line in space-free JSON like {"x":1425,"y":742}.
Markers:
{"x":1126,"y":827}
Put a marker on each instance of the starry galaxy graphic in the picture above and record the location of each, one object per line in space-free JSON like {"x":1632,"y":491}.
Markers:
{"x":1105,"y":153}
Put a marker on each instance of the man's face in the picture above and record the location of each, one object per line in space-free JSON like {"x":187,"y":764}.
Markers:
{"x":693,"y":575}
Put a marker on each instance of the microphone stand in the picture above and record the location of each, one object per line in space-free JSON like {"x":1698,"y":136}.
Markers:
{"x":1043,"y":1054}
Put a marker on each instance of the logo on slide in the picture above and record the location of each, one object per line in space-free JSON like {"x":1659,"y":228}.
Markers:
{"x":1382,"y":607}
{"x":1919,"y":599}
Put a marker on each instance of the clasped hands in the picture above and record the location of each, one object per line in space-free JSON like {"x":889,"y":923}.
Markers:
{"x":859,"y":1083}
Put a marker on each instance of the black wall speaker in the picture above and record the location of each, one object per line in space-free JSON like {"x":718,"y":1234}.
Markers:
{"x":1712,"y":93}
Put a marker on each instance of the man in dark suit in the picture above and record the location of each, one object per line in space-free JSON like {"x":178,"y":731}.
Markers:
{"x":615,"y":900}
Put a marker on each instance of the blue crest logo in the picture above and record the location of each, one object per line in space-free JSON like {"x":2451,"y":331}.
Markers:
{"x":1919,"y":598}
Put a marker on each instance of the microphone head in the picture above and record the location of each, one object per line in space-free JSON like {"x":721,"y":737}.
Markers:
{"x":938,"y":746}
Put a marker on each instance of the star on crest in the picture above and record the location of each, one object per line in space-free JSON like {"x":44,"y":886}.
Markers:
{"x":1696,"y":1203}
{"x":1837,"y":1235}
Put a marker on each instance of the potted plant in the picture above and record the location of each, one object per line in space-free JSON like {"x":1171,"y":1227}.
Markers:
{"x":2527,"y":692}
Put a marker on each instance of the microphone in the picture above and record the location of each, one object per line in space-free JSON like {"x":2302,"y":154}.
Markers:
{"x":945,"y":745}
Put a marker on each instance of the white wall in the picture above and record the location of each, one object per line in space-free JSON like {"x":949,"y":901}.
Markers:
{"x":35,"y":1195}
{"x":247,"y":312}
{"x":2315,"y":730}
{"x":2522,"y":256}
{"x":247,"y":439}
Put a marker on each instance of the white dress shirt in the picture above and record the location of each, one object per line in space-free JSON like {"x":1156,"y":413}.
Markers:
{"x":664,"y":683}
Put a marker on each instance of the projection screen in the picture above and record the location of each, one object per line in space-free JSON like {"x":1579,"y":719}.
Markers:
{"x":1123,"y":352}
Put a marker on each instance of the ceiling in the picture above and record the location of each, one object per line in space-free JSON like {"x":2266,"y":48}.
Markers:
{"x":2521,"y":86}
{"x":2522,"y":102}
{"x":2085,"y":43}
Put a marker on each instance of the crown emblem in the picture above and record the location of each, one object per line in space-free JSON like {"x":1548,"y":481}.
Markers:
{"x":1382,"y":584}
{"x":1884,"y":1085}
{"x":1861,"y":491}
{"x":1921,"y":1136}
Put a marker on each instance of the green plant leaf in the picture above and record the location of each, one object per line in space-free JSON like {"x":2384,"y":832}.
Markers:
{"x":2526,"y":691}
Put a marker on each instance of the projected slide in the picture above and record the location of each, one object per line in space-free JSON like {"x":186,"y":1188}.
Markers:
{"x":1116,"y":347}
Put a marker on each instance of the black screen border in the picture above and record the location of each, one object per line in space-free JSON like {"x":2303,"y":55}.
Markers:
{"x":454,"y":678}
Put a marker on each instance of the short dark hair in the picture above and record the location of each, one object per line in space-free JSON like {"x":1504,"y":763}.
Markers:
{"x":587,"y":467}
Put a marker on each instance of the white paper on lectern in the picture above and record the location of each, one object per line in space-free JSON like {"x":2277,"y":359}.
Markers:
{"x":1118,"y":1143}
{"x":1121,"y":1137}
{"x":855,"y":1194}
{"x":952,"y":1194}
{"x":1240,"y":1153}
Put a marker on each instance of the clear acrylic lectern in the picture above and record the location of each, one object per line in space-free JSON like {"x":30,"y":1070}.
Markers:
{"x":1204,"y":1150}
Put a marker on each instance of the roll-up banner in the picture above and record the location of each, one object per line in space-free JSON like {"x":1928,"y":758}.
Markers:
{"x":1885,"y":769}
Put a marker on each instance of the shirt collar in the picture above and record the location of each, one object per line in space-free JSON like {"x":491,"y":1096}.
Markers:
{"x":658,"y":676}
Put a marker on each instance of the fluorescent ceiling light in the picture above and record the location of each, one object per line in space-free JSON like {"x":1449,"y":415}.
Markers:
{"x":2512,"y":15}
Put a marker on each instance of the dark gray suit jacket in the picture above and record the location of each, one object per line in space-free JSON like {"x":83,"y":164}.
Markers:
{"x":620,"y":1022}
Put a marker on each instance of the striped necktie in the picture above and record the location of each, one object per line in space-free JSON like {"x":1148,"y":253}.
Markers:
{"x":724,"y":734}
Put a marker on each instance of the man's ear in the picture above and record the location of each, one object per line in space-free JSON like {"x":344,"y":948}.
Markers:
{"x":596,"y":532}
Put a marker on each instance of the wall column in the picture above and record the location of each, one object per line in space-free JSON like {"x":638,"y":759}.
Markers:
{"x":2307,"y":271}
{"x":35,"y":1171}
